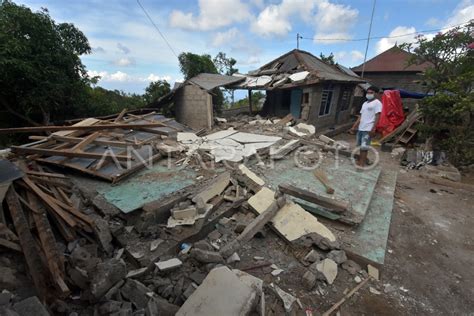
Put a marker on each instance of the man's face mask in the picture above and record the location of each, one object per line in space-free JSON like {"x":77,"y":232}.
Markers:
{"x":370,"y":96}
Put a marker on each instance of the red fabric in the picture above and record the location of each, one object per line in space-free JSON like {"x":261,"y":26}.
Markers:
{"x":392,"y":112}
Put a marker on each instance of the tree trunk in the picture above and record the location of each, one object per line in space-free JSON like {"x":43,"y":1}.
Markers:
{"x":19,"y":115}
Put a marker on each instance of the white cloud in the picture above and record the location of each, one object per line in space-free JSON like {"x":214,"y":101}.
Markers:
{"x":386,"y":43}
{"x":464,"y":12}
{"x":328,"y":19}
{"x":224,"y":38}
{"x":124,"y":62}
{"x":334,"y":21}
{"x":120,"y":76}
{"x":357,"y":55}
{"x":274,"y":20}
{"x":213,"y":14}
{"x":433,"y":22}
{"x":153,"y":77}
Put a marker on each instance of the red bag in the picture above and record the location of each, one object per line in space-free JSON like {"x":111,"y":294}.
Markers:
{"x":392,"y":112}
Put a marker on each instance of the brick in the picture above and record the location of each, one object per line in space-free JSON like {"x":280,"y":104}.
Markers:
{"x":167,"y":265}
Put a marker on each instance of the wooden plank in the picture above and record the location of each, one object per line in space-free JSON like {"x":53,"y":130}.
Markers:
{"x":54,"y":258}
{"x":97,"y":127}
{"x":322,"y":177}
{"x":10,"y":245}
{"x":46,"y":174}
{"x":51,"y":182}
{"x":334,"y":205}
{"x":48,"y":200}
{"x":86,"y":141}
{"x":120,"y":116}
{"x":76,"y":140}
{"x":27,"y":242}
{"x":346,"y":297}
{"x":51,"y":152}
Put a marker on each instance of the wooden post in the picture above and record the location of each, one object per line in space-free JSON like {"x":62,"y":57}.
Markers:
{"x":250,"y":101}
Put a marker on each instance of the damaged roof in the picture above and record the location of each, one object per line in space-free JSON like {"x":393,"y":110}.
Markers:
{"x":295,"y":68}
{"x":210,"y":81}
{"x":393,"y":59}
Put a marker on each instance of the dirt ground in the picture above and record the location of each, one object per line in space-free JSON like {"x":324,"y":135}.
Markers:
{"x":430,"y":254}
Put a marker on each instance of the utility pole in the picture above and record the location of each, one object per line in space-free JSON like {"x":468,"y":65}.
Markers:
{"x":298,"y":36}
{"x":368,"y":39}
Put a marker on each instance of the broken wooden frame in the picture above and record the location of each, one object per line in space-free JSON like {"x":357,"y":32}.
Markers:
{"x":109,"y":149}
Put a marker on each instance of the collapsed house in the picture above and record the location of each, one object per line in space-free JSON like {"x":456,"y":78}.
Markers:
{"x":218,"y":223}
{"x":300,"y":84}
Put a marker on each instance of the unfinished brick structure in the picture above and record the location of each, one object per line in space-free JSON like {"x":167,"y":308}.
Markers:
{"x":193,"y":105}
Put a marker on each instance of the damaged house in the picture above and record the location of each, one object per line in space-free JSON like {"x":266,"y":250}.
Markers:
{"x":300,"y":84}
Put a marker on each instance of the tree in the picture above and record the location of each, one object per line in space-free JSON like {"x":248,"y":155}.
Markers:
{"x":225,"y":65}
{"x":42,"y":73}
{"x":448,"y":114}
{"x":327,"y":59}
{"x":192,"y":65}
{"x":156,"y":90}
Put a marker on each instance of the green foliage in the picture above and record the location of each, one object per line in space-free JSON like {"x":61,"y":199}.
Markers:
{"x":328,"y":59}
{"x":256,"y":96}
{"x":449,"y":113}
{"x":43,"y":77}
{"x":225,"y":65}
{"x":156,"y":90}
{"x":100,"y":101}
{"x":192,"y":65}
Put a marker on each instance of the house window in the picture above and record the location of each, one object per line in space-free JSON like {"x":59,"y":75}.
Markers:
{"x":326,"y":98}
{"x":305,"y":98}
{"x":345,"y":98}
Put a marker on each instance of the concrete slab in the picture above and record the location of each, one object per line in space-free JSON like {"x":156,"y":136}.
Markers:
{"x":371,"y":236}
{"x":219,"y":135}
{"x":246,"y":138}
{"x":357,"y":187}
{"x":221,"y":293}
{"x":291,"y":221}
{"x":146,"y":186}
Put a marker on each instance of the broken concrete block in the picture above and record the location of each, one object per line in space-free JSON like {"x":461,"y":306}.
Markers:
{"x":373,"y":272}
{"x":136,"y":273}
{"x":306,"y":128}
{"x":357,"y":279}
{"x":106,"y":275}
{"x":221,"y":293}
{"x":309,"y":280}
{"x":288,"y":299}
{"x":160,"y":306}
{"x":282,"y":151}
{"x":328,"y":268}
{"x":190,"y":290}
{"x":135,"y":292}
{"x":277,"y":272}
{"x":249,"y":178}
{"x":312,"y":256}
{"x":30,"y":307}
{"x":292,"y":221}
{"x":351,"y":267}
{"x":234,"y":258}
{"x":206,"y":256}
{"x":338,"y":256}
{"x":215,"y":188}
{"x":187,"y":138}
{"x":167,"y":265}
{"x":155,"y":243}
{"x":203,"y":245}
{"x":186,"y":213}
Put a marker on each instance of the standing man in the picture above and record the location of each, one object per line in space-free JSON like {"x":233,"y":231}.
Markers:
{"x":366,"y":123}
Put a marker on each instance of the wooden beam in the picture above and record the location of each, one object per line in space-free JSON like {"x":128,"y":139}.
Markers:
{"x":10,"y":245}
{"x":76,"y":140}
{"x":86,"y":141}
{"x":27,"y":242}
{"x":69,"y":154}
{"x":250,"y":101}
{"x":120,"y":116}
{"x":46,"y":174}
{"x":346,"y":297}
{"x":97,"y":127}
{"x":48,"y":200}
{"x":334,"y":205}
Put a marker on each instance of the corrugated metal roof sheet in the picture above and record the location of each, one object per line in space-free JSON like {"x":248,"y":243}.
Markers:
{"x":393,"y":59}
{"x":211,"y":81}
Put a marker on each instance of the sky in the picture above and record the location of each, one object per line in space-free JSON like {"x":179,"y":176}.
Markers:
{"x":128,"y":51}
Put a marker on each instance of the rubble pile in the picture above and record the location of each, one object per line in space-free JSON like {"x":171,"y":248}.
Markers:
{"x":190,"y":253}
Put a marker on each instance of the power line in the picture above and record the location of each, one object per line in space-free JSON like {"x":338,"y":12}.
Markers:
{"x":380,"y":37}
{"x":156,"y":27}
{"x":368,"y":39}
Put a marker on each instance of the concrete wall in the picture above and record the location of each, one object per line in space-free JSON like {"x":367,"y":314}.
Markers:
{"x":193,"y":107}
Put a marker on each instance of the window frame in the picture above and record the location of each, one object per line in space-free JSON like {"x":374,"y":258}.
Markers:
{"x":329,"y":90}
